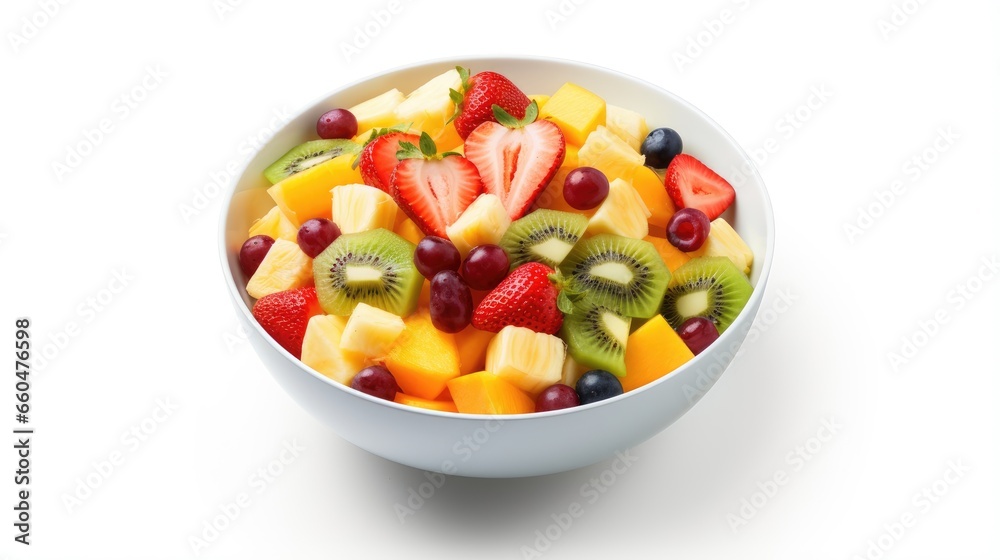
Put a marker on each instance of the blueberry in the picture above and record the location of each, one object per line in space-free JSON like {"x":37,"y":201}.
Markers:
{"x":597,"y":385}
{"x":660,"y":147}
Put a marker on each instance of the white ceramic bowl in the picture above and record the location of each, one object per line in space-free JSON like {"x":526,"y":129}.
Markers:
{"x":512,"y":445}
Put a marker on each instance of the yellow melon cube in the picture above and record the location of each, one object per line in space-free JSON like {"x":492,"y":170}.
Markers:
{"x":321,"y":349}
{"x":306,"y":194}
{"x":285,"y":267}
{"x":275,"y":225}
{"x":576,"y":111}
{"x":485,"y":393}
{"x":423,"y":359}
{"x":653,"y":350}
{"x":378,"y":112}
{"x":649,"y":186}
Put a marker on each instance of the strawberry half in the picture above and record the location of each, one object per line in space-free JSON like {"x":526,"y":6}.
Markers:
{"x":433,"y":190}
{"x":526,"y":298}
{"x":474,"y":104}
{"x":516,"y":158}
{"x":691,"y":184}
{"x":284,"y":316}
{"x":378,"y":157}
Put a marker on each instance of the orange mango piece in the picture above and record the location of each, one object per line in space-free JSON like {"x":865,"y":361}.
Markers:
{"x":472,"y":344}
{"x":485,"y":393}
{"x":429,"y":404}
{"x":407,"y":229}
{"x":650,"y":188}
{"x":423,"y":359}
{"x":672,"y":256}
{"x":306,"y":194}
{"x":652,"y":351}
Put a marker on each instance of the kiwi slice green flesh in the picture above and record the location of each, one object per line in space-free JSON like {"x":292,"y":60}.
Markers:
{"x":709,"y":287}
{"x":595,"y":337}
{"x":375,"y":267}
{"x":544,"y":236}
{"x":625,"y":274}
{"x":308,"y":155}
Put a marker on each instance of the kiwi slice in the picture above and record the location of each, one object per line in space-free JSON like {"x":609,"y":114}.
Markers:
{"x":622,"y":273}
{"x":544,"y":236}
{"x":307,"y":155}
{"x":595,"y":337}
{"x":709,"y":287}
{"x":375,"y":267}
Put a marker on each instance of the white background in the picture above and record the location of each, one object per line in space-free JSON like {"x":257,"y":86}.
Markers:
{"x":170,"y":334}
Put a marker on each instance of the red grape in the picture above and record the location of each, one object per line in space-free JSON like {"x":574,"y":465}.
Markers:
{"x":485,"y":267}
{"x":435,"y":254}
{"x":698,"y":333}
{"x":316,"y":235}
{"x":377,"y":382}
{"x":585,"y":188}
{"x":688,"y":229}
{"x":556,"y":397}
{"x":253,"y":252}
{"x":338,"y":123}
{"x":451,"y":302}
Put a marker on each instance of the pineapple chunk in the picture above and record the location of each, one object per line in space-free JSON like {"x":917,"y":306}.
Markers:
{"x":612,"y":155}
{"x":484,"y":221}
{"x":321,"y":349}
{"x":358,"y":208}
{"x":649,"y":186}
{"x":622,"y":213}
{"x":430,"y":106}
{"x":378,"y":112}
{"x":306,"y":194}
{"x":576,"y":111}
{"x":627,"y":125}
{"x":285,"y":267}
{"x":275,"y":225}
{"x":723,"y":241}
{"x":572,"y":372}
{"x":528,"y":360}
{"x":371,"y":331}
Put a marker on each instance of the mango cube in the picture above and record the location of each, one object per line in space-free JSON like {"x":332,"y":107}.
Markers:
{"x":653,"y":350}
{"x":423,"y":359}
{"x":576,"y":111}
{"x":306,"y":194}
{"x":485,"y":393}
{"x":649,"y":186}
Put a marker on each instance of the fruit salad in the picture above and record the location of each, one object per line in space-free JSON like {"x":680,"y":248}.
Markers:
{"x":470,"y":248}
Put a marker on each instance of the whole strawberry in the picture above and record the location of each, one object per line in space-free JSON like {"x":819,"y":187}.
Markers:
{"x":474,"y":104}
{"x":284,"y":316}
{"x":526,"y":298}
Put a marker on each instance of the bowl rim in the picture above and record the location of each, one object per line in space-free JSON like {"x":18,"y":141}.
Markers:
{"x":753,"y":303}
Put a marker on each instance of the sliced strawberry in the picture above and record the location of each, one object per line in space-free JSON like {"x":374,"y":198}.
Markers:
{"x":691,"y":184}
{"x":474,"y":105}
{"x":516,"y":159}
{"x":284,"y":316}
{"x":526,"y":298}
{"x":378,"y":158}
{"x":434,"y":190}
